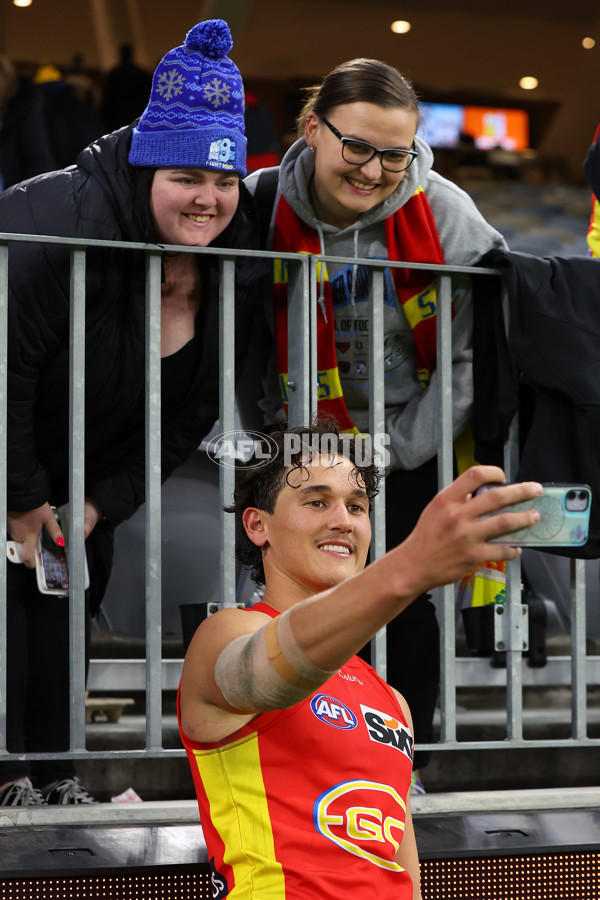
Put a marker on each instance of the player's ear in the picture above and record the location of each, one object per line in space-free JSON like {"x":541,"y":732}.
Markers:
{"x":254,"y":521}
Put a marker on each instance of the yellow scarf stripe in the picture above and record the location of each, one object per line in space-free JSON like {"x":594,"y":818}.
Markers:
{"x":423,"y":377}
{"x":236,"y":793}
{"x":329,"y":386}
{"x":421,"y":306}
{"x":280,"y":270}
{"x":464,"y":450}
{"x":593,"y":235}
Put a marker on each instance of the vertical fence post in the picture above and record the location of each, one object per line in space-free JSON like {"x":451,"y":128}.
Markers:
{"x":153,"y":576}
{"x":77,"y":498}
{"x":3,"y":405}
{"x":514,"y":614}
{"x":445,"y":475}
{"x":302,"y":365}
{"x":377,"y":427}
{"x":578,"y":650}
{"x":227,"y":424}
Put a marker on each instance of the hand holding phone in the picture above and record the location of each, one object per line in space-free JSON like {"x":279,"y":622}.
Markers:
{"x":24,"y":528}
{"x":51,"y":567}
{"x":51,"y":560}
{"x":564,"y":517}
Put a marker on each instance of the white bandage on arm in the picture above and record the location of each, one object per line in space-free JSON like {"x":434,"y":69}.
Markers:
{"x":267,"y":669}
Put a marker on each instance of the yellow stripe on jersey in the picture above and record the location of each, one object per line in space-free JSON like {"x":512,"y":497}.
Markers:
{"x":235,"y":790}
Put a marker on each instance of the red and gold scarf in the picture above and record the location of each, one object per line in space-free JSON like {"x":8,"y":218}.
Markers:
{"x":411,"y":235}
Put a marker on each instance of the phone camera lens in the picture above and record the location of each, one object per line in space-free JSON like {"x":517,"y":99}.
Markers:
{"x":571,"y":495}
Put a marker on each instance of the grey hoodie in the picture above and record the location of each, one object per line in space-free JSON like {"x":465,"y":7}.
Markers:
{"x":412,"y":414}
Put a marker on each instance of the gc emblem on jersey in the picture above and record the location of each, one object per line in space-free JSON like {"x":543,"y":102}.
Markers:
{"x":333,"y":712}
{"x":364,"y":818}
{"x":384,"y":729}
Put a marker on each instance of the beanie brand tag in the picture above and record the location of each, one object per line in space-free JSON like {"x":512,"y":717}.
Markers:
{"x":222,"y":151}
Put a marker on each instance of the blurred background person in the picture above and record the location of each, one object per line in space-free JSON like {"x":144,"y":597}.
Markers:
{"x":25,"y":148}
{"x":72,"y":123}
{"x":264,"y":148}
{"x":125,"y":91}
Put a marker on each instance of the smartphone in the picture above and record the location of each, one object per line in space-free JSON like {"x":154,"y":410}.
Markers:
{"x":51,"y":564}
{"x":564,"y":517}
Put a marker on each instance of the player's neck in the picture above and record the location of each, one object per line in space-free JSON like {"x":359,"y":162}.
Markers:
{"x":282,"y":592}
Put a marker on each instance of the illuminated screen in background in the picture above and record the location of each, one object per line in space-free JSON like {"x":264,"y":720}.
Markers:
{"x":443,"y":123}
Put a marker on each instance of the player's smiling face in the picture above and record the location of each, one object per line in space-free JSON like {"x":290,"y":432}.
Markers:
{"x":342,"y":191}
{"x":319,"y":532}
{"x":193,"y":206}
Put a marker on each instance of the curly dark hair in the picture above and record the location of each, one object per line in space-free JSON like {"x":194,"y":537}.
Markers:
{"x":259,"y":485}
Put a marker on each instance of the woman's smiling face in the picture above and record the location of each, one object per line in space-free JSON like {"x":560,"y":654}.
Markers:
{"x":193,"y":206}
{"x":344,"y":191}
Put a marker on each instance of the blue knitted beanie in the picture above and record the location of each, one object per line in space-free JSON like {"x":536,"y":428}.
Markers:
{"x":195,"y":115}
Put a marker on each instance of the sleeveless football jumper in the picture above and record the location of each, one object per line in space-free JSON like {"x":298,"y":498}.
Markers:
{"x":309,"y":802}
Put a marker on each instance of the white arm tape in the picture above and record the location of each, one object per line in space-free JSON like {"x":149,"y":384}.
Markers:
{"x":267,"y":669}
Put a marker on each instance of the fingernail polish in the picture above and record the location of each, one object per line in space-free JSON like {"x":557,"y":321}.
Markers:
{"x":60,"y":541}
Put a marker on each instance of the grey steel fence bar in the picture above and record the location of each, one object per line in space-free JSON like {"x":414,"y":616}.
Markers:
{"x":377,"y":426}
{"x":76,"y":493}
{"x":302,"y":395}
{"x":153,"y":567}
{"x":445,"y":473}
{"x":227,"y":423}
{"x":578,"y":650}
{"x":514,"y":612}
{"x":3,"y":560}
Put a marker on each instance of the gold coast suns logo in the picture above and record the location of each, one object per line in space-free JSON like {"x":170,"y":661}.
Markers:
{"x":385,"y":729}
{"x":364,"y":818}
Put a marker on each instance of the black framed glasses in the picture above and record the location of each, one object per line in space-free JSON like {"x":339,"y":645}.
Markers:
{"x":357,"y":153}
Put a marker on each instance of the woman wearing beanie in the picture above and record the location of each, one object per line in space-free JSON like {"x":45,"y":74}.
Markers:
{"x":360,"y":183}
{"x":173,"y":178}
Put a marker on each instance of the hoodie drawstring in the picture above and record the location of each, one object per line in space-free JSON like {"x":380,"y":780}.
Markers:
{"x":321,"y":297}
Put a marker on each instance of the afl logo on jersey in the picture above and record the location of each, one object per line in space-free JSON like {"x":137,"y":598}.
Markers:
{"x":333,"y":712}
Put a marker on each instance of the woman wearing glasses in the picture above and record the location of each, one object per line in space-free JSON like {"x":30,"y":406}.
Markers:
{"x":359,"y":183}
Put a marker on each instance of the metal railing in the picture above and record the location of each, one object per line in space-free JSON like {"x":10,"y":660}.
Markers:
{"x":302,"y":397}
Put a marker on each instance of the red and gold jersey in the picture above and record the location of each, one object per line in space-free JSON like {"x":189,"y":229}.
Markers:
{"x":310,"y":801}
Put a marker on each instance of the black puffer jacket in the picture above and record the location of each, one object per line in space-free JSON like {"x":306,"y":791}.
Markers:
{"x":94,"y":200}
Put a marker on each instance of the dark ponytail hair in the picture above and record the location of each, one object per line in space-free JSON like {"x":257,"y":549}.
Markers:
{"x":355,"y":81}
